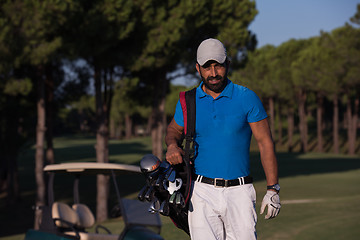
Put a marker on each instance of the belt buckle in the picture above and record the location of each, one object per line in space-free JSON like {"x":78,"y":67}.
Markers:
{"x":218,"y":186}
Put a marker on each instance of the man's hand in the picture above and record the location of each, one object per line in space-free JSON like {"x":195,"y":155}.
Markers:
{"x":174,"y":154}
{"x":173,"y":136}
{"x":272,"y":201}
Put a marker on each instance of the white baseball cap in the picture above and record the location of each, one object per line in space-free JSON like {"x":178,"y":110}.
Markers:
{"x":211,"y":49}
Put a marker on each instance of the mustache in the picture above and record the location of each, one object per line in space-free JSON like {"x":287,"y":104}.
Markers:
{"x":217,"y":77}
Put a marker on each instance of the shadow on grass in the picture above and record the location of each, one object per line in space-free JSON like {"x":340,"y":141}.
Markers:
{"x":294,"y":164}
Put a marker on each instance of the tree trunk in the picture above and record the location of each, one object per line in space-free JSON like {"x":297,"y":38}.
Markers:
{"x":158,"y":113}
{"x":290,"y":120}
{"x":119,"y":130}
{"x":336,"y":124}
{"x":112,"y":129}
{"x":280,"y":127}
{"x":49,"y":87}
{"x":272,"y":116}
{"x":128,"y":126}
{"x":148,"y":125}
{"x":349,"y":121}
{"x":319,"y":121}
{"x":302,"y":121}
{"x":102,"y":135}
{"x":39,"y":154}
{"x":352,"y":126}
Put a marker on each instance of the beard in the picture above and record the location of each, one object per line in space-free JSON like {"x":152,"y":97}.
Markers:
{"x":217,"y":87}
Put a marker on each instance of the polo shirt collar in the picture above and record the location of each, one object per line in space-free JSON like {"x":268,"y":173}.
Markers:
{"x":227,"y":92}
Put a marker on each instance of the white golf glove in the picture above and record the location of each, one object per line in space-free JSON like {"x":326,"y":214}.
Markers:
{"x":272,"y":201}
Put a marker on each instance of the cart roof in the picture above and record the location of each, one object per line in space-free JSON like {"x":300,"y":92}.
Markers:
{"x":91,"y":168}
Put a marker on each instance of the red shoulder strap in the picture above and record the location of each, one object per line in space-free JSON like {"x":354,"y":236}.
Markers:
{"x":184,"y":109}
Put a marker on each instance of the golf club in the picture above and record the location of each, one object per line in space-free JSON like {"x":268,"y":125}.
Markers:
{"x":141,"y":195}
{"x":164,"y":208}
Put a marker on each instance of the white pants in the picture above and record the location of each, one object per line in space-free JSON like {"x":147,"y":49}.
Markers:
{"x":222,"y":213}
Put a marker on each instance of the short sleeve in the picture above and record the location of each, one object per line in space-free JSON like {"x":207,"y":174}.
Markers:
{"x":178,"y":117}
{"x":254,"y":108}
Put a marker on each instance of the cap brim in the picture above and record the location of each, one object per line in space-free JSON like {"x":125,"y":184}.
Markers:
{"x":219,"y":59}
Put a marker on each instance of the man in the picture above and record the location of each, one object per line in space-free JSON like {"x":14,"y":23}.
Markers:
{"x":222,"y":204}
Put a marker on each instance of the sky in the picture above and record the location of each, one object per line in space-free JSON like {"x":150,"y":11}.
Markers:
{"x":280,"y":20}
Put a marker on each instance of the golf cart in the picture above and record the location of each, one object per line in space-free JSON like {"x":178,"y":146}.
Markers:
{"x":61,"y":221}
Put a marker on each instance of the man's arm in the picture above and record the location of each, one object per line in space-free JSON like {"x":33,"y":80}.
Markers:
{"x":173,"y":136}
{"x":262,"y":134}
{"x":271,"y":200}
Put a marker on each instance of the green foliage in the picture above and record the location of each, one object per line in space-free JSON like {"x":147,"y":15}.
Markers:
{"x":327,"y":64}
{"x":121,"y":102}
{"x":172,"y":98}
{"x":85,"y":103}
{"x":97,"y":30}
{"x":231,"y":17}
{"x":79,"y":116}
{"x":36,"y":25}
{"x":148,"y":39}
{"x":347,"y":47}
{"x":356,"y":18}
{"x":258,"y":74}
{"x":124,"y":103}
{"x":286,"y":54}
{"x":303,"y":66}
{"x":175,"y":27}
{"x":18,"y":86}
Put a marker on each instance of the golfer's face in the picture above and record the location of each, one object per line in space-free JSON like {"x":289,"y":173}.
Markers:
{"x":213,"y":74}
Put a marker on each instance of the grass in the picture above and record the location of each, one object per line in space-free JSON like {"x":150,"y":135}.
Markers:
{"x":329,"y":209}
{"x":320,"y":192}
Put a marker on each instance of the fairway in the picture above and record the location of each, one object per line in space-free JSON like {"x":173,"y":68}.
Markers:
{"x":319,"y":206}
{"x":320,"y":193}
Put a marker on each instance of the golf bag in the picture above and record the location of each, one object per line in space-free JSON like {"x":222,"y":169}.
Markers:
{"x":168,"y":186}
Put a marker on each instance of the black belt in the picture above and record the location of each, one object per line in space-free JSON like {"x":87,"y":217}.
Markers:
{"x":220,"y":182}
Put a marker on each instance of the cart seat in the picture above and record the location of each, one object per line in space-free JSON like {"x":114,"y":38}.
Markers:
{"x":86,"y":217}
{"x":87,"y":220}
{"x":73,"y":221}
{"x":64,"y":216}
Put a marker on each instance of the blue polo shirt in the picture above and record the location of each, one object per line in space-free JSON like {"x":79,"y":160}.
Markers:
{"x":222,"y":135}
